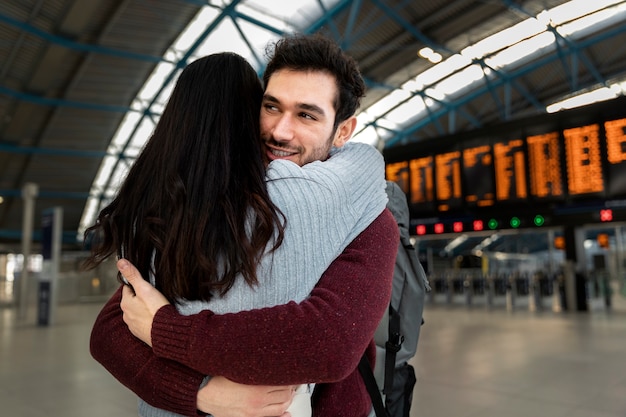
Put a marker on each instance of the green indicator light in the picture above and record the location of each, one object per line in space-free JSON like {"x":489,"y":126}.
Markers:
{"x":515,"y":222}
{"x":492,"y":224}
{"x":539,"y":220}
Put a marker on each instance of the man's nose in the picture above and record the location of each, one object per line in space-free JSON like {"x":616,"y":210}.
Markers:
{"x":283,"y":129}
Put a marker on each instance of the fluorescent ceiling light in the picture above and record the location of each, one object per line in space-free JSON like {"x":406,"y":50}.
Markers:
{"x":600,"y":94}
{"x":508,"y":48}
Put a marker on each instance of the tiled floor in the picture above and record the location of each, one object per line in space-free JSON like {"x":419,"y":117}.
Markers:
{"x":48,"y":371}
{"x":470,"y":363}
{"x":481,"y":363}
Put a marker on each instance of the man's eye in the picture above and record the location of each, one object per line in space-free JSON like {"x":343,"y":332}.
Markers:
{"x":270,"y":107}
{"x":307,"y":116}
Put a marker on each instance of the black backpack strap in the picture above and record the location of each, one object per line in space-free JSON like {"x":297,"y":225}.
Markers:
{"x":392,"y":347}
{"x":365,"y":368}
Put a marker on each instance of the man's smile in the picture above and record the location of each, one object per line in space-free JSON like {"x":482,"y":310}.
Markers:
{"x":280,"y":153}
{"x":277,"y":152}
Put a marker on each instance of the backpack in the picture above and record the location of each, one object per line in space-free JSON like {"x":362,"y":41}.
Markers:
{"x":391,"y":382}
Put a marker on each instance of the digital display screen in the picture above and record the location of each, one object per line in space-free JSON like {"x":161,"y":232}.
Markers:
{"x":545,"y":166}
{"x":399,"y":173}
{"x":574,"y":158}
{"x":510,"y":170}
{"x":584,"y":163}
{"x":448,"y":180}
{"x":615,"y":131}
{"x":478,"y":175}
{"x":422,"y":195}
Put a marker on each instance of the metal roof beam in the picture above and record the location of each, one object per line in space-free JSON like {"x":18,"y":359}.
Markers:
{"x":63,"y":195}
{"x":256,"y":22}
{"x":325,"y":18}
{"x":67,"y":43}
{"x":4,"y":147}
{"x":57,"y":102}
{"x":352,"y":17}
{"x":409,"y":27}
{"x":510,"y":78}
{"x":572,"y":75}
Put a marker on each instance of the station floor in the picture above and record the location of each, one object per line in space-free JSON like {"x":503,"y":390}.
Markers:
{"x":470,"y":363}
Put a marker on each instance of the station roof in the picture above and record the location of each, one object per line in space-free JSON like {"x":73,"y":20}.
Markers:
{"x":82,"y":83}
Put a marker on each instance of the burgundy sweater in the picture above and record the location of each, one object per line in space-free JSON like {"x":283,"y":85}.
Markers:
{"x":319,"y":340}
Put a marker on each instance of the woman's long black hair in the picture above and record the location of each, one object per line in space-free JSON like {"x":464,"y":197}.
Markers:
{"x":194,"y":206}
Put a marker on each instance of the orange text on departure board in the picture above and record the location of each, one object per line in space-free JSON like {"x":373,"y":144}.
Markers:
{"x":584,"y":164}
{"x":510,"y":170}
{"x":398,"y":172}
{"x":616,"y":140}
{"x":422,"y":183}
{"x":448,"y":175}
{"x":477,"y":167}
{"x":544,"y":165}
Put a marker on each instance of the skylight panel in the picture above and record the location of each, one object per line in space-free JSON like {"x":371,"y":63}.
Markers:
{"x":123,"y":132}
{"x":573,"y":10}
{"x":405,"y":112}
{"x":458,"y":82}
{"x":520,"y":52}
{"x":589,"y":23}
{"x":388,"y":102}
{"x":155,"y":81}
{"x":504,"y":39}
{"x":600,"y":94}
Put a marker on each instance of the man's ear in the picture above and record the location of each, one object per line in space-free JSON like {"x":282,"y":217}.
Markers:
{"x":344,"y":132}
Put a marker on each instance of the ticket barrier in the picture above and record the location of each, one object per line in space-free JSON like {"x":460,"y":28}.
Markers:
{"x":459,"y":288}
{"x":448,"y":288}
{"x":496,"y":290}
{"x":476,"y":289}
{"x":541,"y":292}
{"x":598,"y":291}
{"x":456,"y":287}
{"x":518,"y":291}
{"x":439,"y":292}
{"x":535,"y":292}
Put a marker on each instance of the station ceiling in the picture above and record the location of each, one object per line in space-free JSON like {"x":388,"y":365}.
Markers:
{"x":72,"y":72}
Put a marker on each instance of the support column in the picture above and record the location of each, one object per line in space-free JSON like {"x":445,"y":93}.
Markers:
{"x":29,"y":194}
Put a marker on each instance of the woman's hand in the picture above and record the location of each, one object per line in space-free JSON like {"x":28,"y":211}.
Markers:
{"x":140,"y":302}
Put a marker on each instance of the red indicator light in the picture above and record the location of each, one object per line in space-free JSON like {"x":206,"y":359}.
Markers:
{"x":457,"y":227}
{"x":420,"y":229}
{"x":606,"y":215}
{"x":478,"y":225}
{"x":439,"y":228}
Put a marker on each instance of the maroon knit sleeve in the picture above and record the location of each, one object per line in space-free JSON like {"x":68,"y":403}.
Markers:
{"x":319,"y":340}
{"x":160,"y":382}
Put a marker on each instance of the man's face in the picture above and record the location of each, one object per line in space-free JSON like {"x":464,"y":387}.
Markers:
{"x":297,"y":116}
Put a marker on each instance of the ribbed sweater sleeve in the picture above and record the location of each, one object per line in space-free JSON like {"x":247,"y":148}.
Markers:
{"x":160,"y":382}
{"x":321,"y":339}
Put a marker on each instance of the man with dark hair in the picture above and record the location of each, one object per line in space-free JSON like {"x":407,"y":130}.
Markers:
{"x":312,"y":90}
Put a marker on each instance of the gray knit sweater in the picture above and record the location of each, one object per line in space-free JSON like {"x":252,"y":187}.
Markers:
{"x":326,"y":204}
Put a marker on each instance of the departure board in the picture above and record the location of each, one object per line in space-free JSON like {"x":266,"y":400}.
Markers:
{"x":574,"y":159}
{"x":615,"y":132}
{"x":583,"y":160}
{"x":399,"y":173}
{"x":545,"y":165}
{"x":422,"y":195}
{"x":478,"y":175}
{"x":448,"y":180}
{"x":510,"y":170}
